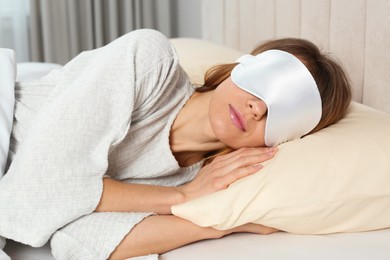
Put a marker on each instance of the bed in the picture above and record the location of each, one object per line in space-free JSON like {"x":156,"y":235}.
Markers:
{"x":358,"y":34}
{"x":359,"y":246}
{"x":362,"y":245}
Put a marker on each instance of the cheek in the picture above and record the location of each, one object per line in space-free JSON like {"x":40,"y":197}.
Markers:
{"x":259,"y":135}
{"x":217,"y":109}
{"x":257,"y":139}
{"x":220,"y":123}
{"x":217,"y":119}
{"x":253,"y":138}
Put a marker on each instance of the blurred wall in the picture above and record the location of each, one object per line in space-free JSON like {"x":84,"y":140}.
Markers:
{"x":45,"y":31}
{"x":187,"y":21}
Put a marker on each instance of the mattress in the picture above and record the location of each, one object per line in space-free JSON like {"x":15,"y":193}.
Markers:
{"x":367,"y":245}
{"x":364,"y":245}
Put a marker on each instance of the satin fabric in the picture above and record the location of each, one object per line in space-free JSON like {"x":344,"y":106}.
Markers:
{"x":288,"y":89}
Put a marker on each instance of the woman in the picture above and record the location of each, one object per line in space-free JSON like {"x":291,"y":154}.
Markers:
{"x":183,"y":128}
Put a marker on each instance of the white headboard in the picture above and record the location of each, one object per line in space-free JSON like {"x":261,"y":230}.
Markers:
{"x":356,"y":33}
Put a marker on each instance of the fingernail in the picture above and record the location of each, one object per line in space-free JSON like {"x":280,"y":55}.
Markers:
{"x":258,"y":166}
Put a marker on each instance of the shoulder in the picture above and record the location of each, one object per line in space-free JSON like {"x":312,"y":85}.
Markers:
{"x":157,"y":70}
{"x":147,"y":45}
{"x":146,"y":35}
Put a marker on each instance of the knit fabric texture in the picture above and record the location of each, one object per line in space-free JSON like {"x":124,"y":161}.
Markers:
{"x":108,"y":112}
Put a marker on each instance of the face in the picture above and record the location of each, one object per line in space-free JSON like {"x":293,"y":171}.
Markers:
{"x":237,"y":117}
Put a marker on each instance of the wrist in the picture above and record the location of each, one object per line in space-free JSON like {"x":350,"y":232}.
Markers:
{"x":180,"y":195}
{"x":169,"y":196}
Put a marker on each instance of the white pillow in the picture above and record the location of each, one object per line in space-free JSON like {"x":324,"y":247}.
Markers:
{"x":3,"y":256}
{"x":7,"y":100}
{"x":335,"y":180}
{"x":34,"y":70}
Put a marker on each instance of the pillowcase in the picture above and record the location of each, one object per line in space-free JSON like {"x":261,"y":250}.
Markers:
{"x":34,"y":70}
{"x":7,"y":100}
{"x":335,"y":180}
{"x":196,"y":56}
{"x":4,"y":256}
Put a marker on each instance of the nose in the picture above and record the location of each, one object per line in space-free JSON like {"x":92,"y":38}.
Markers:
{"x":257,"y":108}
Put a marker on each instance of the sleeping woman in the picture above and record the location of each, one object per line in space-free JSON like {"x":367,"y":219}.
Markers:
{"x":109,"y":143}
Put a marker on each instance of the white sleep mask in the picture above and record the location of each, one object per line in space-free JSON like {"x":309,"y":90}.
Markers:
{"x":288,"y":89}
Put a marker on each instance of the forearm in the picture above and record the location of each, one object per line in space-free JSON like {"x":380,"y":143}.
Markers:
{"x":160,"y":234}
{"x":125,"y":197}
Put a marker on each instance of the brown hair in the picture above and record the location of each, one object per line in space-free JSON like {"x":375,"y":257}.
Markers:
{"x":331,"y":80}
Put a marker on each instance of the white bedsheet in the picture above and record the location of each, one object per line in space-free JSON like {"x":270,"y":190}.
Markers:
{"x":354,"y":246}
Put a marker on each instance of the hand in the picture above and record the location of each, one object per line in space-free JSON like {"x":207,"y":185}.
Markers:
{"x":246,"y":228}
{"x":254,"y":228}
{"x":226,"y":169}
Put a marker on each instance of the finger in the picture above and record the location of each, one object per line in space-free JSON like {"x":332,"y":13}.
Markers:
{"x":223,"y":167}
{"x":248,"y":152}
{"x":256,"y":228}
{"x":244,"y":161}
{"x":237,"y":174}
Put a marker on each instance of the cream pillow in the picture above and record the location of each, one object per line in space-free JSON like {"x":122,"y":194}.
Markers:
{"x":336,"y":180}
{"x":196,"y":56}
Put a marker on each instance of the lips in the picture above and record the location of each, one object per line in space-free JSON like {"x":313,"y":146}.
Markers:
{"x":237,"y":119}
